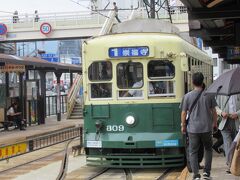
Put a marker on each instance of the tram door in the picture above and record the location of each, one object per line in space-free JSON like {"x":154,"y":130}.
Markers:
{"x":32,"y":95}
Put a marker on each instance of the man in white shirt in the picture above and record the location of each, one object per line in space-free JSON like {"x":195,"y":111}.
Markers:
{"x":229,"y":125}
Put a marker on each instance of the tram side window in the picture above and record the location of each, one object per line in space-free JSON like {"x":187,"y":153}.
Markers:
{"x":101,"y":90}
{"x":130,"y":76}
{"x":99,"y":73}
{"x":159,"y":71}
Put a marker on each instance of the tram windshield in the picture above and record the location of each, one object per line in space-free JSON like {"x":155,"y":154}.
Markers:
{"x":130,"y":76}
{"x":100,"y":73}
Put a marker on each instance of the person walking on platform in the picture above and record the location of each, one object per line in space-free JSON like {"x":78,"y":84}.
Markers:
{"x":202,"y":118}
{"x":115,"y":8}
{"x":229,"y":111}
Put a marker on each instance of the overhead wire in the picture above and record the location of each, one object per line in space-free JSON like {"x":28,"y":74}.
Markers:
{"x":89,"y":8}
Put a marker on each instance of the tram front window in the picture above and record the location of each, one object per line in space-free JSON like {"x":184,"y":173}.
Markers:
{"x":130,"y":76}
{"x":100,"y":73}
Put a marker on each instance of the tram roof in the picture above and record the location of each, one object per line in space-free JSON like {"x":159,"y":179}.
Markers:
{"x":131,"y":38}
{"x":36,"y":63}
{"x":217,"y":22}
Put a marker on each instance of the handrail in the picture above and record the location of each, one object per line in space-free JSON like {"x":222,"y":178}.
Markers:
{"x":73,"y":93}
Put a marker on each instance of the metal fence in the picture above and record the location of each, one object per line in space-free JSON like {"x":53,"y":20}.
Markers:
{"x":51,"y":104}
{"x":40,"y":142}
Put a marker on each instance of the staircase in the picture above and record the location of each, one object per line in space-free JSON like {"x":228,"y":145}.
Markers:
{"x":77,"y":111}
{"x":74,"y":101}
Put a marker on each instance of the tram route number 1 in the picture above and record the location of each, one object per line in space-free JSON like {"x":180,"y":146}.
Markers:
{"x":115,"y":128}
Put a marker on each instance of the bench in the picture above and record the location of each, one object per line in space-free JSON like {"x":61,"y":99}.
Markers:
{"x":7,"y":124}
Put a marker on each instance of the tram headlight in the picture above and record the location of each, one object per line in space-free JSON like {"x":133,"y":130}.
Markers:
{"x":130,"y":120}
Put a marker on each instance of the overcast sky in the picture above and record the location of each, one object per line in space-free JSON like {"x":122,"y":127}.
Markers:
{"x":43,"y":6}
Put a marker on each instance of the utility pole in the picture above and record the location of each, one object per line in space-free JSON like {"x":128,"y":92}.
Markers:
{"x":152,"y":14}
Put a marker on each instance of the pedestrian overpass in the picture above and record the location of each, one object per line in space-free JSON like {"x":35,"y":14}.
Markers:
{"x":72,"y":25}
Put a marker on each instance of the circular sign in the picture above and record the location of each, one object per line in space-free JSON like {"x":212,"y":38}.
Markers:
{"x":45,"y":28}
{"x":3,"y":29}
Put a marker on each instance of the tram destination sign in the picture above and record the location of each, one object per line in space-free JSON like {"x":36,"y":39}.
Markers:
{"x":118,"y":52}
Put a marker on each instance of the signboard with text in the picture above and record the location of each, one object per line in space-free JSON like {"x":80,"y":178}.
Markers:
{"x":12,"y":68}
{"x":50,"y":57}
{"x":119,"y":52}
{"x":234,"y":53}
{"x":76,"y":60}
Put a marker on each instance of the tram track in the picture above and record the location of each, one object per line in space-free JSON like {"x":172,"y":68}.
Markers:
{"x":103,"y":173}
{"x":130,"y":174}
{"x":38,"y":159}
{"x":165,"y":174}
{"x":29,"y":162}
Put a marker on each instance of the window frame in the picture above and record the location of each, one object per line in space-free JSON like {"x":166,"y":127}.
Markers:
{"x":108,"y":80}
{"x":130,"y":88}
{"x":163,"y":77}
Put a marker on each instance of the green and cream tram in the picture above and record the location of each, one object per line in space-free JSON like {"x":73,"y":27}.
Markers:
{"x":133,"y":85}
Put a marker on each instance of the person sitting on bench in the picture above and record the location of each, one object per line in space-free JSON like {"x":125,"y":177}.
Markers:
{"x":13,"y":115}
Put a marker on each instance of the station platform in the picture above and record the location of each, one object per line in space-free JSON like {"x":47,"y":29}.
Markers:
{"x":219,"y":168}
{"x":51,"y":125}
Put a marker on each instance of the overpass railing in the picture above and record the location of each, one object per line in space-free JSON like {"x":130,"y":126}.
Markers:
{"x":58,"y":20}
{"x":178,"y":14}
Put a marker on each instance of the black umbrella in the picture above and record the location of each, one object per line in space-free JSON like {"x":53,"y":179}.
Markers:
{"x":227,"y":84}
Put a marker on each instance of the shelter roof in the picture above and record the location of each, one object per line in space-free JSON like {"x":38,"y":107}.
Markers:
{"x":217,"y":22}
{"x":35,"y":63}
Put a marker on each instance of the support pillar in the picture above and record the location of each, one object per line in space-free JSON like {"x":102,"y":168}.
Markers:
{"x":7,"y":83}
{"x":21,"y":94}
{"x":7,"y":93}
{"x":58,"y":105}
{"x":153,"y":9}
{"x":71,"y":79}
{"x":42,"y":97}
{"x":25,"y":97}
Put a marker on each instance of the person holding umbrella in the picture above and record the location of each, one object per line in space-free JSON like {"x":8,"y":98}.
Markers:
{"x":228,"y":86}
{"x":229,"y":111}
{"x":202,"y":118}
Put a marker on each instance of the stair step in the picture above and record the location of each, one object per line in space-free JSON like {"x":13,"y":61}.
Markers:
{"x":75,"y":117}
{"x":76,"y":114}
{"x":77,"y":109}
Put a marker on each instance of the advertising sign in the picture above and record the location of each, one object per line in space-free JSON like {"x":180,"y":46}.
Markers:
{"x":50,"y":57}
{"x":13,"y":150}
{"x":12,"y":68}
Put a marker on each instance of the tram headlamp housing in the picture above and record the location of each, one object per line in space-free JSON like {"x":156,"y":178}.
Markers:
{"x":130,"y":120}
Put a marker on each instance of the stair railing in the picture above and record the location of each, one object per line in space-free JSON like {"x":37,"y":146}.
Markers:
{"x":73,"y":94}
